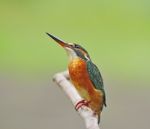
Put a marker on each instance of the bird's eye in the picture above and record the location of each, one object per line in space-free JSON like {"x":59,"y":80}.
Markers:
{"x":76,"y":46}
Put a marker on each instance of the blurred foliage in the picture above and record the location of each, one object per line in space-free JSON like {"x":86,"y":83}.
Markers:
{"x":115,"y":32}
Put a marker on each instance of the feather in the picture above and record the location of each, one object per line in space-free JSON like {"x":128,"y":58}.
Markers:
{"x":96,"y":78}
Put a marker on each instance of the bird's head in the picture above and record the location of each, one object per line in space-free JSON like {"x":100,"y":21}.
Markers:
{"x":73,"y":50}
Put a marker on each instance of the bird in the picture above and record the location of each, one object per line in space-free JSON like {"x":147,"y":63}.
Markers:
{"x":85,"y":77}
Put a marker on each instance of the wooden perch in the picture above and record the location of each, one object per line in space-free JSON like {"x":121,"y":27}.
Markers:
{"x":62,"y":79}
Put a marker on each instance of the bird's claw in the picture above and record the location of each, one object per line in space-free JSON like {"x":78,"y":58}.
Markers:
{"x":81,"y":103}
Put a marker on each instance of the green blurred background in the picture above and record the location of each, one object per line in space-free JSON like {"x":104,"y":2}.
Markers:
{"x":116,"y":33}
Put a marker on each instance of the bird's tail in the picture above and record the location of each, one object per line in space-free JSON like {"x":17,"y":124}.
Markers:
{"x":99,"y":118}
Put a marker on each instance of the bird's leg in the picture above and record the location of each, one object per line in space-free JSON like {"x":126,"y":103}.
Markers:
{"x":82,"y":103}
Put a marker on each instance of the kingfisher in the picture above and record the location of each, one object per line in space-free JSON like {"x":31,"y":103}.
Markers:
{"x":85,"y":76}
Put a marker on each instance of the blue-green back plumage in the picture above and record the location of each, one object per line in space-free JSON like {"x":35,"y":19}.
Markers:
{"x":96,"y":78}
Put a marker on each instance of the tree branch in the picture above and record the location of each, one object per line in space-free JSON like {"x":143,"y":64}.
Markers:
{"x":62,"y":79}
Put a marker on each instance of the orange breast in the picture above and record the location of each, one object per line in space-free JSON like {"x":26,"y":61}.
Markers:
{"x":80,"y":78}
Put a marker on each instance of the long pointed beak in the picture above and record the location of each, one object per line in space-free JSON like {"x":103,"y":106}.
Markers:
{"x":62,"y":43}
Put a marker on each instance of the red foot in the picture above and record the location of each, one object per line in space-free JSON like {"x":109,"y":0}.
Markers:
{"x":81,"y":103}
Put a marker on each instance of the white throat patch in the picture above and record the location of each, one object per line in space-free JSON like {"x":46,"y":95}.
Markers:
{"x":70,"y":53}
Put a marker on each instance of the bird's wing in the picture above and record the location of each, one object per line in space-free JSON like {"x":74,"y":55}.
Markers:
{"x":96,"y":78}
